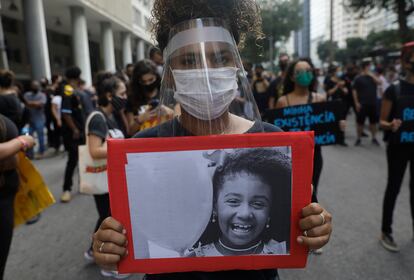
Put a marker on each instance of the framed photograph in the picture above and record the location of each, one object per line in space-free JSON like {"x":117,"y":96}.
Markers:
{"x":211,"y":203}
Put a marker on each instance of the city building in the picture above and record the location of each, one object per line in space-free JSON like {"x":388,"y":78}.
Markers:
{"x":319,"y":26}
{"x":346,"y":23}
{"x":302,"y":37}
{"x":46,"y":36}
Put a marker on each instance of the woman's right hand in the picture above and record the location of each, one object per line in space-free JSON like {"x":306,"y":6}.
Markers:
{"x":395,"y":125}
{"x":109,"y":244}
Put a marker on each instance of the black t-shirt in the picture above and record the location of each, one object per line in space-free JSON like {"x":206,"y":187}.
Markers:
{"x":100,"y":124}
{"x":9,"y":182}
{"x":72,"y":105}
{"x":11,"y":108}
{"x":348,"y":84}
{"x":406,"y":89}
{"x":366,"y":89}
{"x":173,"y":127}
{"x":330,"y":84}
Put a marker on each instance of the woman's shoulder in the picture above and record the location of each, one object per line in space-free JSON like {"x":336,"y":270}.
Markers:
{"x":273,"y":247}
{"x":282,"y":101}
{"x":267,"y":127}
{"x":97,"y":116}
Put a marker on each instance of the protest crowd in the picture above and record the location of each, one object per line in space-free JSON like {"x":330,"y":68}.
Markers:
{"x":48,"y":117}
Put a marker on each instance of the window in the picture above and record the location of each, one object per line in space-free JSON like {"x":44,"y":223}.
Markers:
{"x":14,"y":55}
{"x":59,"y":39}
{"x":10,"y":25}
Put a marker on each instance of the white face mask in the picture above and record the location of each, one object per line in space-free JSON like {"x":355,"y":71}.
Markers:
{"x":206,"y":94}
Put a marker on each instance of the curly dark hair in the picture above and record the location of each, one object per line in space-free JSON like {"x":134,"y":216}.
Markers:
{"x":274,"y":169}
{"x":289,"y":84}
{"x":242,"y":16}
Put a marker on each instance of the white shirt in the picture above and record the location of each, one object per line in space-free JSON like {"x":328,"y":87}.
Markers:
{"x":57,"y":100}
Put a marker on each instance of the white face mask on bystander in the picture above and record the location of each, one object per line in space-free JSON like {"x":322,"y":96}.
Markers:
{"x":206,"y":94}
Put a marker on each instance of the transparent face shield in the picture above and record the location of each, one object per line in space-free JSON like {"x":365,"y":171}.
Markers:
{"x":204,"y":82}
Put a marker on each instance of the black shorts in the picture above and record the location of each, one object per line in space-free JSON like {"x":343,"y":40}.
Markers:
{"x":369,"y":111}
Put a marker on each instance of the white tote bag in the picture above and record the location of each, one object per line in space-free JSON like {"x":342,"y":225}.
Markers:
{"x":92,"y":172}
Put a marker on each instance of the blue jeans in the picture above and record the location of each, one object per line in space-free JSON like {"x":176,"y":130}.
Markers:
{"x":38,"y":126}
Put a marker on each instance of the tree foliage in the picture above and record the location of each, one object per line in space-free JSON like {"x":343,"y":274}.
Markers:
{"x":402,"y":8}
{"x":280,"y":18}
{"x":358,"y":48}
{"x":324,"y":49}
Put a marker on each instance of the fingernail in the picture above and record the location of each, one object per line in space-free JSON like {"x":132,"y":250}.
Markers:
{"x":127,"y":253}
{"x":124,"y":231}
{"x":299,"y":240}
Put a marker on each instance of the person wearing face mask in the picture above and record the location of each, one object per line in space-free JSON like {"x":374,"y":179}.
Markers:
{"x":203,"y":73}
{"x":143,"y":98}
{"x":73,"y":122}
{"x":336,"y":89}
{"x":10,"y":105}
{"x":106,"y":122}
{"x":35,"y":102}
{"x":260,"y":88}
{"x":155,"y":56}
{"x":275,"y":90}
{"x":299,"y":89}
{"x":365,"y":97}
{"x":398,"y":155}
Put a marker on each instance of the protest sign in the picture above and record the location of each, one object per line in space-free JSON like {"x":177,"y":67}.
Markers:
{"x":405,"y":112}
{"x":181,"y":201}
{"x":323,"y":118}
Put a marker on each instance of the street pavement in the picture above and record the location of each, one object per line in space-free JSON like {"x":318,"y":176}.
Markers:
{"x":351,"y":188}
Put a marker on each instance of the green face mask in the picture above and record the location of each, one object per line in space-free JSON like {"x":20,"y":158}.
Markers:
{"x":304,"y":78}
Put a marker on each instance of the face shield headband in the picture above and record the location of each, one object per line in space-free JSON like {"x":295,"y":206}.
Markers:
{"x":205,"y":90}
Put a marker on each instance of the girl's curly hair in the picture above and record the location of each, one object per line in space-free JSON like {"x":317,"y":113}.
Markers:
{"x":242,"y":16}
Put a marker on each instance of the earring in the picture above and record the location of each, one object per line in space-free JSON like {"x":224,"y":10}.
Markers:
{"x":268,"y":223}
{"x":213,"y":219}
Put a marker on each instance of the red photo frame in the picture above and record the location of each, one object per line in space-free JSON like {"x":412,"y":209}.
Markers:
{"x":302,"y":146}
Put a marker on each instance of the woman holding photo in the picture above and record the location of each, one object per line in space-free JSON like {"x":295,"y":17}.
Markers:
{"x":203,"y":74}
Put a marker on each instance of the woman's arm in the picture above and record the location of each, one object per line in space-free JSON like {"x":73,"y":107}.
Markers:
{"x":393,"y":125}
{"x":97,"y":148}
{"x":12,"y":147}
{"x":56,"y":115}
{"x":133,"y":125}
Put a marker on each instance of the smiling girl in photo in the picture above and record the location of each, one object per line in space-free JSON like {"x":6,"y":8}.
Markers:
{"x":251,"y":205}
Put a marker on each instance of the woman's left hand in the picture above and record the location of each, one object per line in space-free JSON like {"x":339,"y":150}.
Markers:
{"x":316,"y":224}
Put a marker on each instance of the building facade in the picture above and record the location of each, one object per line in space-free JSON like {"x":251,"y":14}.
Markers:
{"x":47,"y":36}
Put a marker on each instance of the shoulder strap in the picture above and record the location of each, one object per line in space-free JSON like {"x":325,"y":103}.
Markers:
{"x":287,"y":100}
{"x":88,"y":120}
{"x":310,"y":98}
